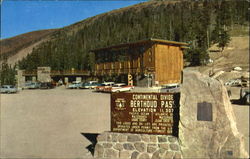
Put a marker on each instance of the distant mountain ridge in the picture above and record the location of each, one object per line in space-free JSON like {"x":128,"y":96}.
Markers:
{"x":194,"y":22}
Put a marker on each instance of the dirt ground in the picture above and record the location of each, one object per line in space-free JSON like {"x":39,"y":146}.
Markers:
{"x":50,"y":123}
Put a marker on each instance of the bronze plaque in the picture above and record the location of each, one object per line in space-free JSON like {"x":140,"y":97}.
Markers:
{"x":149,"y":113}
{"x":204,"y":111}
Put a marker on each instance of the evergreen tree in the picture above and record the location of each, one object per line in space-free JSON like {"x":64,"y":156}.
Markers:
{"x":223,"y":39}
{"x":7,"y":74}
{"x":197,"y":56}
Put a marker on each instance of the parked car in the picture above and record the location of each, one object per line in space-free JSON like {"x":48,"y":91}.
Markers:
{"x":46,"y":85}
{"x":8,"y":89}
{"x":32,"y":85}
{"x":27,"y":84}
{"x":75,"y":85}
{"x":244,"y":81}
{"x":171,"y":88}
{"x":245,"y":96}
{"x":233,"y":82}
{"x":103,"y":86}
{"x":119,"y":87}
{"x":90,"y":85}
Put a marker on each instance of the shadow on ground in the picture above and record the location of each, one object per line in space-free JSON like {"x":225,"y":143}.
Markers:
{"x":92,"y":138}
{"x":237,"y":102}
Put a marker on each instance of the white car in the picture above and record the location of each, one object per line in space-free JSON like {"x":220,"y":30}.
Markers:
{"x":103,"y":86}
{"x":32,"y":85}
{"x":233,"y":82}
{"x":8,"y":89}
{"x":171,"y":88}
{"x":90,"y":85}
{"x":119,"y":87}
{"x":75,"y":85}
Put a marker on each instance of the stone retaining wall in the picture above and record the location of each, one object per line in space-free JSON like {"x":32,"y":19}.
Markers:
{"x":136,"y":146}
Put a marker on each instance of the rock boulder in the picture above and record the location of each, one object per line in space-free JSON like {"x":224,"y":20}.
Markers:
{"x":207,"y":126}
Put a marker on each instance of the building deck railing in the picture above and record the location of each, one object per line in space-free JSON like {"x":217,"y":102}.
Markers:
{"x":123,"y":71}
{"x":30,"y":73}
{"x":69,"y":72}
{"x":59,"y":73}
{"x":98,"y":72}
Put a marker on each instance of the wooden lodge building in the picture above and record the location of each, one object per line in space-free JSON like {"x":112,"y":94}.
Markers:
{"x":150,"y":62}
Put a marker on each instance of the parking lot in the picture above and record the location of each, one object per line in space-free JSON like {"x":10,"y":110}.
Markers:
{"x":50,"y":123}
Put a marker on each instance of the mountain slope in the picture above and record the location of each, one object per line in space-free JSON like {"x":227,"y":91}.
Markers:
{"x":11,"y":46}
{"x":188,"y":21}
{"x":236,"y":54}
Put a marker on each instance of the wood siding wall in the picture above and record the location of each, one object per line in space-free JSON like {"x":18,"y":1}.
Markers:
{"x":149,"y":59}
{"x":164,"y":61}
{"x":169,"y":64}
{"x":137,"y":63}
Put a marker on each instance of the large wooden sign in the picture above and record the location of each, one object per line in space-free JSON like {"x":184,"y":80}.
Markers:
{"x":149,"y":113}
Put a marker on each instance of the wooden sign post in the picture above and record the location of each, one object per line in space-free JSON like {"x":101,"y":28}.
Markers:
{"x":130,"y":80}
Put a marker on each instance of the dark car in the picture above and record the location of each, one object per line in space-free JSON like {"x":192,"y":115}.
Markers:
{"x":245,"y":96}
{"x":46,"y":85}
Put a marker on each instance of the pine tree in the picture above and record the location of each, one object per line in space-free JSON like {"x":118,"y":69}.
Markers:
{"x":223,"y":39}
{"x":7,"y":74}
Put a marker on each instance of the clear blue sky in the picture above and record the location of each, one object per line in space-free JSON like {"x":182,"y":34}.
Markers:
{"x":22,"y":16}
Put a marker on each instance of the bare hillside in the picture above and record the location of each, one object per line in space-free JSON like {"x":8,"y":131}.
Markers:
{"x":23,"y":52}
{"x":236,"y":54}
{"x":10,"y":44}
{"x":20,"y":46}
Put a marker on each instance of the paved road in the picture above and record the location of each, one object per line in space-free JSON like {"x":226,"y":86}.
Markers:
{"x":49,"y":123}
